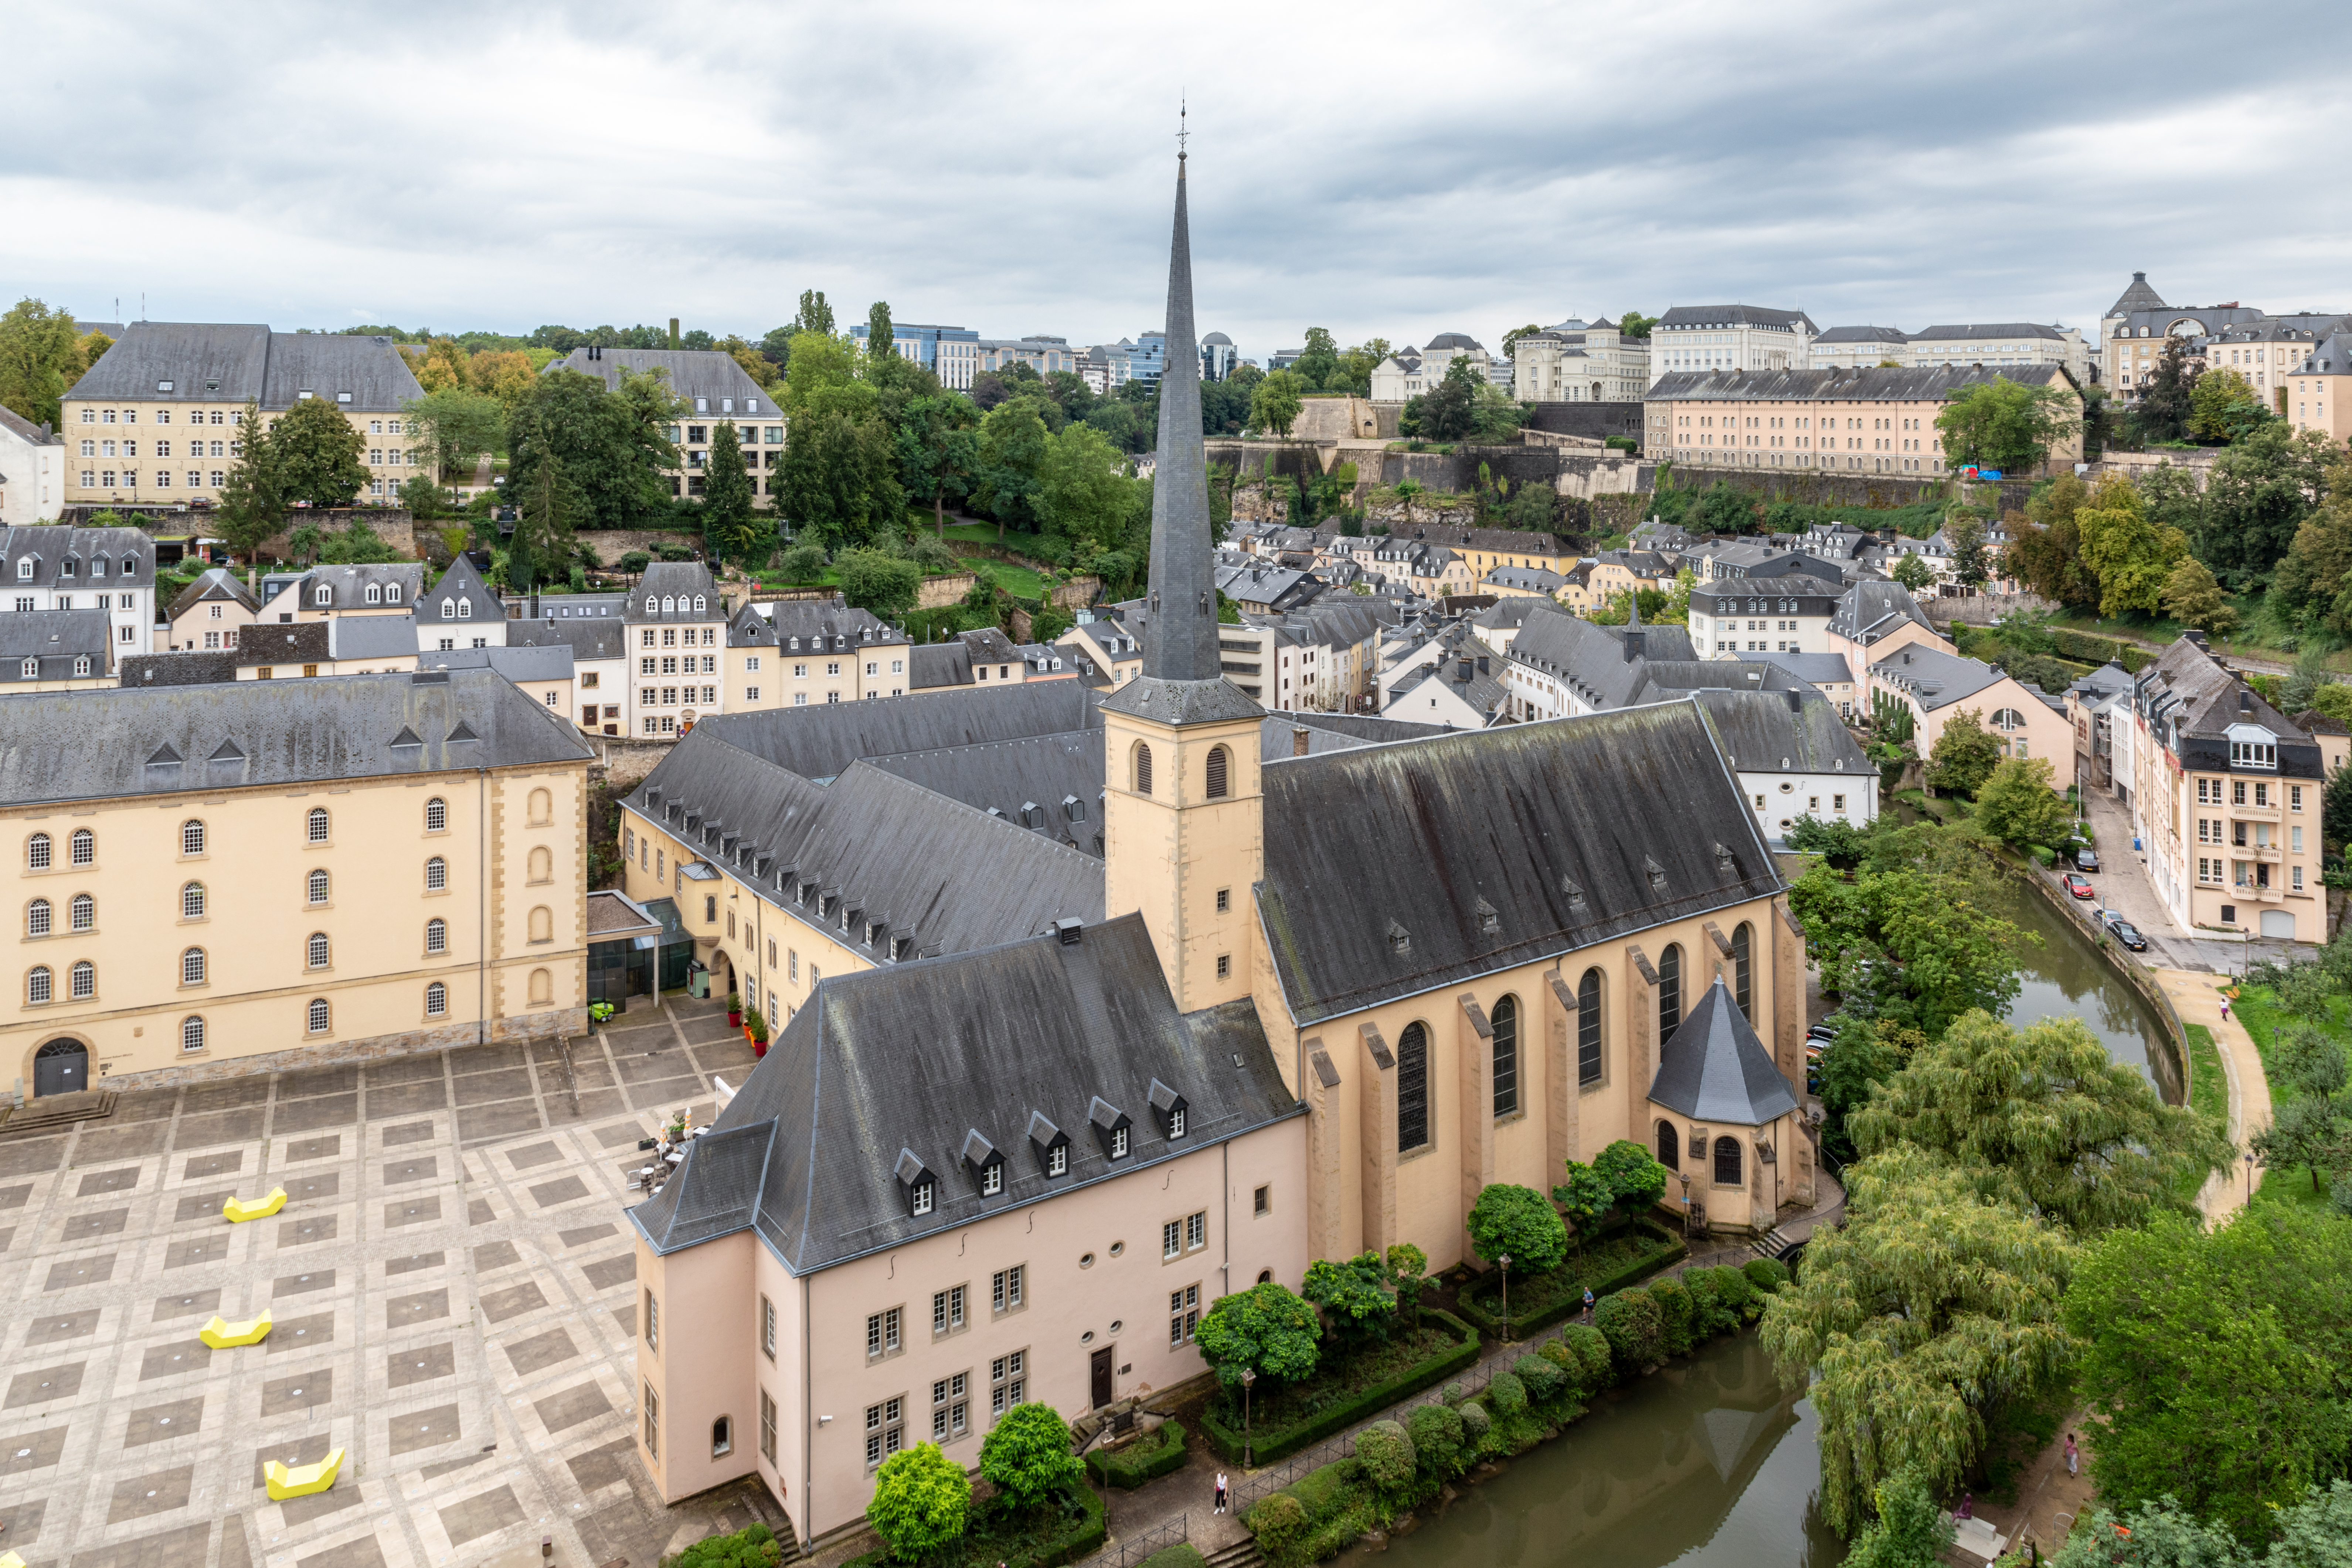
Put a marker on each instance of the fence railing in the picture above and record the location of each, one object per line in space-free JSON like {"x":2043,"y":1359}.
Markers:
{"x":1249,"y":1489}
{"x":1135,"y":1548}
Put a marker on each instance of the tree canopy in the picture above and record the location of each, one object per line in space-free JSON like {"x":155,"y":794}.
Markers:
{"x":317,"y":451}
{"x":1264,"y":1330}
{"x":1518,"y":1223}
{"x":2007,"y":424}
{"x":40,"y":359}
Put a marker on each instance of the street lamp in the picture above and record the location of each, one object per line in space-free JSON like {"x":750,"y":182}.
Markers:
{"x":1249,"y":1376}
{"x":1504,"y":1260}
{"x":2249,"y":1176}
{"x":1683,"y":1178}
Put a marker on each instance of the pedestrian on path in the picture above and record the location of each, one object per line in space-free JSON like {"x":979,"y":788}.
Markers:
{"x":2225,"y":1009}
{"x":2072,"y":1458}
{"x":1587,"y":1303}
{"x":1220,"y":1491}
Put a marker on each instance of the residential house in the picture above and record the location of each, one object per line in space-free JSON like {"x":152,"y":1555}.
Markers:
{"x":322,"y":844}
{"x":210,"y":612}
{"x":674,"y":624}
{"x":544,"y":674}
{"x":2226,"y":800}
{"x":981,"y":658}
{"x":716,"y":390}
{"x":1103,"y":642}
{"x":599,"y":661}
{"x":1933,"y":686}
{"x":2099,"y":706}
{"x":50,"y":566}
{"x":1876,"y":618}
{"x":2321,"y":399}
{"x":1867,"y":421}
{"x":1794,"y":756}
{"x":55,"y":650}
{"x":322,"y":593}
{"x":789,"y":653}
{"x":154,"y":421}
{"x":461,"y":610}
{"x":1775,"y":606}
{"x":32,"y":472}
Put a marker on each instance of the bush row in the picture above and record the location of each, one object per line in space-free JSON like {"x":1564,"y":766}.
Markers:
{"x":1153,"y":1454}
{"x":2093,"y":649}
{"x":998,"y":1538}
{"x":1400,"y":1464}
{"x":1543,"y":1299}
{"x":1268,"y":1444}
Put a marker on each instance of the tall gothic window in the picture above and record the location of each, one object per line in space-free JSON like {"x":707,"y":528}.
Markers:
{"x":1505,"y":1023}
{"x":1670,"y":1147}
{"x":1670,"y":990}
{"x":1587,"y":1027}
{"x":1413,"y":1088}
{"x":1743,"y":945}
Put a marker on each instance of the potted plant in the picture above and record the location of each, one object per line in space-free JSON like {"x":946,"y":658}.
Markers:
{"x":734,"y":1010}
{"x":758,"y":1028}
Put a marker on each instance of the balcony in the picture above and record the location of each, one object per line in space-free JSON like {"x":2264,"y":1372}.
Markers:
{"x":2256,"y":813}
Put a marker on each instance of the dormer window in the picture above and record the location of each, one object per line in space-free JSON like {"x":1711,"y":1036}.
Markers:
{"x":1169,"y":1107}
{"x":1112,"y":1127}
{"x":25,"y":570}
{"x":921,"y":1188}
{"x":1051,"y":1145}
{"x":374,"y":593}
{"x":322,"y":596}
{"x":465,"y":609}
{"x":449,"y":610}
{"x":392,"y":592}
{"x":985,"y":1162}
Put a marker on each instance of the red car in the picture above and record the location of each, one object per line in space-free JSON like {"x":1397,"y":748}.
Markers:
{"x":2079,"y":886}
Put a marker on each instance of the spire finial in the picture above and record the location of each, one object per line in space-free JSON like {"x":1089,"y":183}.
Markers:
{"x":1183,"y":132}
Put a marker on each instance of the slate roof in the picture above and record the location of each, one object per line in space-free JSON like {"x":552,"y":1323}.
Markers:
{"x":587,"y":640}
{"x":1793,"y":730}
{"x":1867,"y":385}
{"x":681,"y":582}
{"x":81,"y":745}
{"x":915,"y":1058}
{"x":2192,"y":702}
{"x":1180,"y":701}
{"x":198,"y":667}
{"x":612,"y":913}
{"x":775,"y":623}
{"x":374,"y":636}
{"x":461,"y":584}
{"x":1987,"y":331}
{"x":1051,"y":773}
{"x":224,"y":362}
{"x":1481,"y":691}
{"x":214,"y":582}
{"x":2136,"y":296}
{"x":1935,"y":679}
{"x":1732,"y":316}
{"x":1714,"y":1070}
{"x":50,"y":544}
{"x":932,"y":665}
{"x":1610,"y":667}
{"x":1454,"y":340}
{"x":1183,"y":551}
{"x":295,"y":642}
{"x":25,"y":430}
{"x":1865,"y":335}
{"x":944,"y":876}
{"x":1534,"y":579}
{"x":1817,"y":668}
{"x":1870,"y":610}
{"x":1574,"y":831}
{"x":553,"y":662}
{"x":820,"y":742}
{"x":54,"y":638}
{"x":711,"y":374}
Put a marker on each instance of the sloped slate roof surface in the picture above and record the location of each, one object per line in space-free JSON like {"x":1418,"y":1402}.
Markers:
{"x":818,"y":743}
{"x":375,"y":636}
{"x":917,"y":1056}
{"x":1847,"y":385}
{"x":1008,"y":774}
{"x":1181,"y":701}
{"x":693,"y":372}
{"x":1760,"y":728}
{"x":213,"y":583}
{"x":76,"y":745}
{"x":587,"y":640}
{"x":1713,"y":1069}
{"x":36,"y":634}
{"x":1555,"y":825}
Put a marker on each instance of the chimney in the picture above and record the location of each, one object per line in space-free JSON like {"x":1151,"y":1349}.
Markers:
{"x":2245,"y":700}
{"x":673,"y":331}
{"x":1482,"y":664}
{"x":1298,"y":740}
{"x":1632,"y":641}
{"x":1463,"y":672}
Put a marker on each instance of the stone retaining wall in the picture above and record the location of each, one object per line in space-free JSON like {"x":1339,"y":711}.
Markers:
{"x":553,"y":1023}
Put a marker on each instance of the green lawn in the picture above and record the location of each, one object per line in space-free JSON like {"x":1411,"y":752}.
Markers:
{"x":2256,"y":638}
{"x":2265,"y":1024}
{"x":2209,"y":1086}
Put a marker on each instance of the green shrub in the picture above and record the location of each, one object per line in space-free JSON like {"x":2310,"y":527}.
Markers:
{"x":1476,"y":1424}
{"x":1634,"y":1329}
{"x":1767,"y":1274}
{"x":1436,"y":1433}
{"x":677,"y":553}
{"x":1027,"y":1454}
{"x":2043,"y":855}
{"x":1154,"y":1455}
{"x":1571,"y":1371}
{"x":1543,"y":1380}
{"x":1674,"y":1315}
{"x":1591,"y":1349}
{"x":921,"y":1502}
{"x":1183,"y":1554}
{"x":632,"y":561}
{"x":1324,"y":1491}
{"x":1506,"y":1395}
{"x":1386,"y":1452}
{"x":1347,"y":1403}
{"x":1739,"y":1292}
{"x":1451,"y":1394}
{"x":1279,"y":1522}
{"x":1709,"y":1316}
{"x":753,"y":1547}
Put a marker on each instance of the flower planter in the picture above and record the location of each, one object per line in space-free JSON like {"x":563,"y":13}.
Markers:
{"x":759,"y":1049}
{"x":734,"y":1020}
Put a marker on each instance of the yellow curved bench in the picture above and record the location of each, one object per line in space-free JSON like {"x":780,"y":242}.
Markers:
{"x":302,"y":1480}
{"x":10,"y":1559}
{"x":221,"y":1335}
{"x":238,"y":1211}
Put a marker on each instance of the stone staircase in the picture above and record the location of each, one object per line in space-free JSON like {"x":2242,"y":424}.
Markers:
{"x":1771,"y":1244}
{"x":50,"y":1112}
{"x":1241,"y":1553}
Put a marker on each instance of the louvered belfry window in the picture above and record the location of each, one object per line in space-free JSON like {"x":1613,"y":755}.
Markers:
{"x":1220,"y":767}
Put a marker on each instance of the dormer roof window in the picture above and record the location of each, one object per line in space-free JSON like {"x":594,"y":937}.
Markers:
{"x":985,"y":1162}
{"x":916,"y":1185}
{"x":1051,"y":1145}
{"x":1113,"y":1128}
{"x":1169,"y":1107}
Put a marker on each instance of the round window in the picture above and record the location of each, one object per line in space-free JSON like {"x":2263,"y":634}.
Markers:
{"x":1786,"y":786}
{"x":1088,"y":1338}
{"x":1087,"y":1260}
{"x":1117,"y":1325}
{"x":1117,"y":1247}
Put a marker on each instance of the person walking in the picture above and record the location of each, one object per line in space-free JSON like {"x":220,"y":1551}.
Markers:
{"x":2225,"y":1009}
{"x":2073,"y":1459}
{"x":1220,"y":1492}
{"x":1587,"y":1303}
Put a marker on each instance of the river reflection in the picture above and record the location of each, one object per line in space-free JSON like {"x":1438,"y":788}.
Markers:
{"x":2065,"y":977}
{"x":1706,"y":1463}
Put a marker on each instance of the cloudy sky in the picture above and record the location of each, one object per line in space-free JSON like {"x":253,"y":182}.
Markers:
{"x":1397,"y":170}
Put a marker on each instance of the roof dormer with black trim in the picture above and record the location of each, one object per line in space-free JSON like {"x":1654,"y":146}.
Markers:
{"x":1051,"y":1145}
{"x":1114,"y":1129}
{"x":1168,"y":1108}
{"x":916,"y":1185}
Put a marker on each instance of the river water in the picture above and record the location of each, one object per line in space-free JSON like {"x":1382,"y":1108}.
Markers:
{"x":1708,"y":1464}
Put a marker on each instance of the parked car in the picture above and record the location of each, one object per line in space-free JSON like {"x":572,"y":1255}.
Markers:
{"x":2111,"y":917}
{"x":2086,"y":858}
{"x":1819,"y":1034}
{"x":2078,"y":885}
{"x":2128,"y":934}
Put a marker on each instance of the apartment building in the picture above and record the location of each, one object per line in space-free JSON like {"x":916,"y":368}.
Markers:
{"x":220,"y":875}
{"x":1323,"y":659}
{"x":1873,"y":619}
{"x":674,"y":625}
{"x":107,"y":571}
{"x":951,"y":354}
{"x":791,"y":653}
{"x":1867,"y":421}
{"x":1935,"y":687}
{"x":1859,"y":347}
{"x":154,"y":421}
{"x":324,"y":593}
{"x":1105,"y":652}
{"x":715,"y":391}
{"x":2321,"y":382}
{"x":460,"y":612}
{"x":1579,"y":361}
{"x":55,"y":650}
{"x":1704,"y":339}
{"x":32,"y":472}
{"x":598,"y":646}
{"x":2000,"y":344}
{"x":1777,"y":607}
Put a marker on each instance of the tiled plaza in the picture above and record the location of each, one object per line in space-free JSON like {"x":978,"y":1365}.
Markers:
{"x":450,"y":1282}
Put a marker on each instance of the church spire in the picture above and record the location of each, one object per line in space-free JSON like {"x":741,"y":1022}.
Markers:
{"x":1182,"y":640}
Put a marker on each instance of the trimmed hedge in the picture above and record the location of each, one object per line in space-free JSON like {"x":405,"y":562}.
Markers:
{"x":1183,"y":1554}
{"x":1667,"y":1250}
{"x":1148,"y":1458}
{"x":755,"y":1546}
{"x":2095,"y":649}
{"x":1267,"y":1444}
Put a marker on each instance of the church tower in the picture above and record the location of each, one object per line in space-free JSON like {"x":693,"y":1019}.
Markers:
{"x":1183,"y":825}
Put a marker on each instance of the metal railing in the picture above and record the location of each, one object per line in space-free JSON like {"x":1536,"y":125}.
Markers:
{"x":1135,"y":1548}
{"x":1258,"y":1484}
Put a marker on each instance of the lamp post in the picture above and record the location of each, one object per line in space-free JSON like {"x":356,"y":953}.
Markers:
{"x":1249,"y":1377}
{"x":1683,"y":1178}
{"x":2249,"y":1176}
{"x":1504,"y":1261}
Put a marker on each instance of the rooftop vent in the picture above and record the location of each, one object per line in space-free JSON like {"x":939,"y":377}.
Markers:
{"x":1070,"y":931}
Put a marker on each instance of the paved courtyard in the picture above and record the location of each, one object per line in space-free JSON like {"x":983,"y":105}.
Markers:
{"x":451,"y":1284}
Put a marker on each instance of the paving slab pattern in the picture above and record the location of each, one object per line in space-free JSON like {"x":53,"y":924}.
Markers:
{"x":454,"y":1304}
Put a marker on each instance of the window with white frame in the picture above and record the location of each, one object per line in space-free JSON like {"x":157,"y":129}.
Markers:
{"x":1183,"y":1314}
{"x":1004,"y":1287}
{"x":950,"y":1411}
{"x":881,"y":1332}
{"x":885,"y":1431}
{"x":1008,"y":1381}
{"x":947,"y":1310}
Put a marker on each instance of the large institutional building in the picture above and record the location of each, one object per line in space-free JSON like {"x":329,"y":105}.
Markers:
{"x":1152,"y":1024}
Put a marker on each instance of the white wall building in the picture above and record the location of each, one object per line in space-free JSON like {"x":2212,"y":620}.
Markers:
{"x":49,"y":566}
{"x":32,"y":472}
{"x":1730,"y":337}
